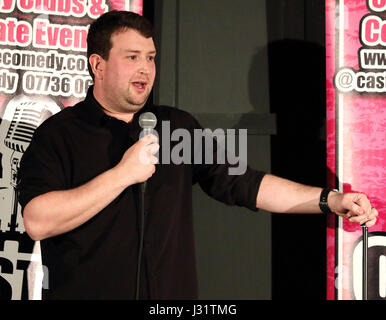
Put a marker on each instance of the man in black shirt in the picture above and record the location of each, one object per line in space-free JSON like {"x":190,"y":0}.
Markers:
{"x":80,"y":176}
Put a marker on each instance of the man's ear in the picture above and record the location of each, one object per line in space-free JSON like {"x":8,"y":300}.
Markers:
{"x":97,"y":64}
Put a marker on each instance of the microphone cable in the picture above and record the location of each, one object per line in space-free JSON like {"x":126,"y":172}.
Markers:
{"x":141,"y":238}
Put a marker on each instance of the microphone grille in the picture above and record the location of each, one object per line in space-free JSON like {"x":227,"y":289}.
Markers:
{"x":147,"y":120}
{"x":22,"y":115}
{"x":27,"y":117}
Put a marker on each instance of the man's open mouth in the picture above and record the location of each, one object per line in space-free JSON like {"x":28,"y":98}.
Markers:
{"x":139,"y":84}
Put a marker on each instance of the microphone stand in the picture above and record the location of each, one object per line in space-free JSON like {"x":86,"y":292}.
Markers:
{"x":364,"y":262}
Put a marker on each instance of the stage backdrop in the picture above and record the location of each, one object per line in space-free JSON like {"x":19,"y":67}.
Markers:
{"x":356,"y":140}
{"x":43,"y":69}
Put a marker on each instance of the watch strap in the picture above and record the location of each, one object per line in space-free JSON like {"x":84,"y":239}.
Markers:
{"x":323,"y":204}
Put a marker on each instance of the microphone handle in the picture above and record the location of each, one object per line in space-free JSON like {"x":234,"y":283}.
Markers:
{"x":145,"y":131}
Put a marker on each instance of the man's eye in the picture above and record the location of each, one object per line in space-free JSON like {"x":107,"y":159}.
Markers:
{"x":132,"y":57}
{"x":150,"y":58}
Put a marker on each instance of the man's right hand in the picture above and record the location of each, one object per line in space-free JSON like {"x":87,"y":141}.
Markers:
{"x":138,"y":162}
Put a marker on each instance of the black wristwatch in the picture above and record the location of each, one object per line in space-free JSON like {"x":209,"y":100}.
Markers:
{"x":323,"y":204}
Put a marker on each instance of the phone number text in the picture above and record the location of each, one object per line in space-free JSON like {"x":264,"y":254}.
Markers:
{"x":56,"y":84}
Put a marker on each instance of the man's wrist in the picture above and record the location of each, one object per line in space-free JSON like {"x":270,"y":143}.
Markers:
{"x":323,"y":201}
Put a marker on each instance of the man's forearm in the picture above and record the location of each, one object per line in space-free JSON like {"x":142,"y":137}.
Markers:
{"x":284,"y":196}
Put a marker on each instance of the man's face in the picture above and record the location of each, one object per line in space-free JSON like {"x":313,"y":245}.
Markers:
{"x":129,"y":72}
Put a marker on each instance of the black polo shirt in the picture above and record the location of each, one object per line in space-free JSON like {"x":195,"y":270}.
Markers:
{"x":98,"y":260}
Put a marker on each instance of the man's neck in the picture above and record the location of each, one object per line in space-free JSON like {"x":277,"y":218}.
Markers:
{"x":124,"y":116}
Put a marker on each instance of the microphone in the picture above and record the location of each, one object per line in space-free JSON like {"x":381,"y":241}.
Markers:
{"x":23,"y":114}
{"x":27,"y":116}
{"x":147,"y":121}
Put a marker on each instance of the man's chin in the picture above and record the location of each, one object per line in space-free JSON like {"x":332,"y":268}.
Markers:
{"x":135,"y":106}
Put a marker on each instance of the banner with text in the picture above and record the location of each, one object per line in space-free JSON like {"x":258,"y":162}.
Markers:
{"x":356,"y":135}
{"x":43,"y":69}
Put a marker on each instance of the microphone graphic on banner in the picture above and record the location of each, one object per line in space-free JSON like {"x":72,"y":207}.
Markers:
{"x":147,"y":121}
{"x":23,"y":115}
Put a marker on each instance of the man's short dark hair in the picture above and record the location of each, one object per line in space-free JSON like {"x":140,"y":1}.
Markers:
{"x":101,"y":30}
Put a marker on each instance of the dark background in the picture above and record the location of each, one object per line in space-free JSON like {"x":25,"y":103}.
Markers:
{"x":281,"y":256}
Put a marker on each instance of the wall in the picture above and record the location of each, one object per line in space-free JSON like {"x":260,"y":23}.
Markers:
{"x":258,"y":65}
{"x":213,"y":63}
{"x":297,"y":96}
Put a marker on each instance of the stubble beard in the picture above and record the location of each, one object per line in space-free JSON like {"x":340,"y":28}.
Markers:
{"x":134,"y":104}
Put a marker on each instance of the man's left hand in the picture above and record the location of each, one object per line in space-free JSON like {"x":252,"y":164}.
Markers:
{"x":356,"y":207}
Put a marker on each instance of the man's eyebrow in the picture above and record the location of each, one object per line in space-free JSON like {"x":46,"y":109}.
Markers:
{"x":139,"y":51}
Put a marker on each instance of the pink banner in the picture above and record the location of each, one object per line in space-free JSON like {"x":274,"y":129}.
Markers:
{"x":43,"y":69}
{"x":356,"y":135}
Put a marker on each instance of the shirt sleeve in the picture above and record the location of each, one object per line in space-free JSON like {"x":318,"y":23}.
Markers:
{"x":41,"y":168}
{"x":219,"y":180}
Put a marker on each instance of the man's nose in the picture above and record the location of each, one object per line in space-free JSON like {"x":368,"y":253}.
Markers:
{"x":144,"y":70}
{"x":144,"y":67}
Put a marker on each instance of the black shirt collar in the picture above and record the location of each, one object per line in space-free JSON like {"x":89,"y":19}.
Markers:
{"x":90,"y":109}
